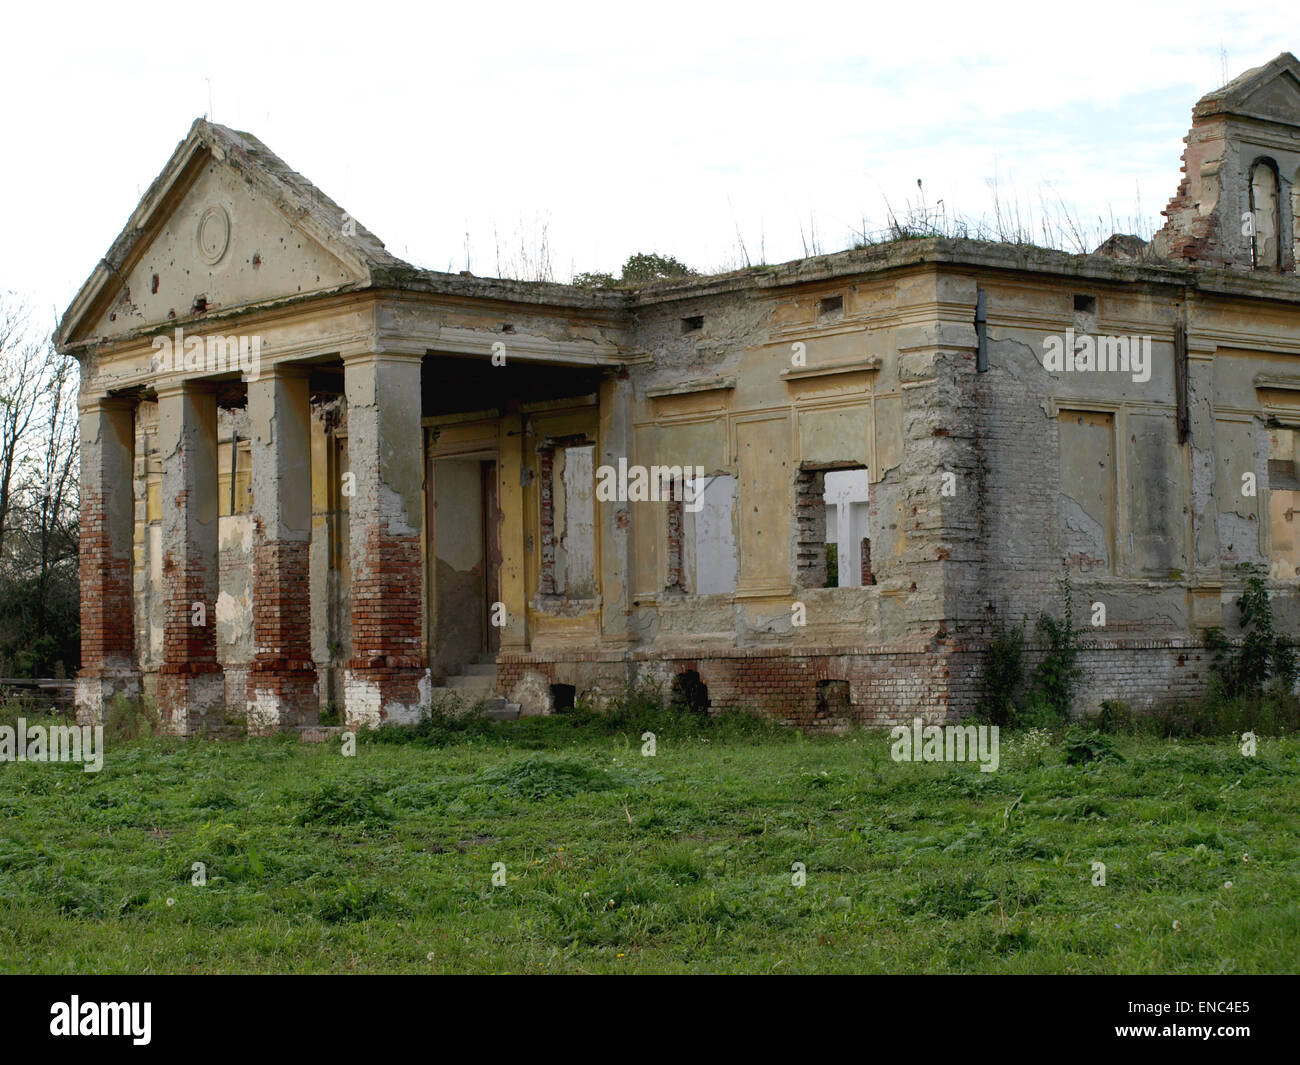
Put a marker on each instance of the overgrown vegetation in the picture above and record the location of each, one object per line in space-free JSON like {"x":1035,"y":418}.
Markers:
{"x":1272,"y":713}
{"x":1058,"y":672}
{"x":639,"y":708}
{"x":1250,"y":691}
{"x":1263,"y":656}
{"x":131,"y":719}
{"x":608,"y":861}
{"x":1004,"y":674}
{"x":1008,"y":699}
{"x":642,"y":268}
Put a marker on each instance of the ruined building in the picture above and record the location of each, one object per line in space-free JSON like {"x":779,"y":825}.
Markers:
{"x":316,"y":476}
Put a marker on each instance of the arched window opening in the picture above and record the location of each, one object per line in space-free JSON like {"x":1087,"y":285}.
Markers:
{"x":1265,"y":216}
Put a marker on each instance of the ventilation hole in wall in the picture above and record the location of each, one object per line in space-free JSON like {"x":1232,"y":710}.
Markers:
{"x":154,"y":287}
{"x":1085,"y":304}
{"x":832,"y":698}
{"x":200,"y":305}
{"x":830,"y":307}
{"x":689,"y":693}
{"x":507,"y":327}
{"x":562,"y":696}
{"x":693,"y":324}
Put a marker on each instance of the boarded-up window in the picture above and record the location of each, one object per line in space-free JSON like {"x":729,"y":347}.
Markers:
{"x":709,"y":538}
{"x":574,"y":500}
{"x":1283,"y":503}
{"x":1087,"y":440}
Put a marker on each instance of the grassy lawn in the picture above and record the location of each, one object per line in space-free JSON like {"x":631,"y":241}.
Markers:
{"x":616,"y":862}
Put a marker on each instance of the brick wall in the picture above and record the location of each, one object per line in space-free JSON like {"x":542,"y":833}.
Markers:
{"x":810,"y":527}
{"x":386,"y":607}
{"x":939,"y":682}
{"x":106,"y":586}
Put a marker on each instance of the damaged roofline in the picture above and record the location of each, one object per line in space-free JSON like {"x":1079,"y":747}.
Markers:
{"x":406,"y":280}
{"x":990,"y":255}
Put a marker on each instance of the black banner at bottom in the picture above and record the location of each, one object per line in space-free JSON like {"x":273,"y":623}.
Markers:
{"x":210,"y":1014}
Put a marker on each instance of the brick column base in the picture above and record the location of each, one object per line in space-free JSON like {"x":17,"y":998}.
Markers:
{"x":192,"y":698}
{"x":96,"y":689}
{"x":386,"y":691}
{"x":282,"y":695}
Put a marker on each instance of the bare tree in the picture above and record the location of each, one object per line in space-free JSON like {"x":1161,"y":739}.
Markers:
{"x":49,"y":493}
{"x":39,"y":497}
{"x":23,"y":366}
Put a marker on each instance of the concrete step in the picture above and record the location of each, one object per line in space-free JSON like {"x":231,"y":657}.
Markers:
{"x":494,"y":707}
{"x":500,"y":710}
{"x":471,"y":684}
{"x":481,"y":669}
{"x":486,"y":659}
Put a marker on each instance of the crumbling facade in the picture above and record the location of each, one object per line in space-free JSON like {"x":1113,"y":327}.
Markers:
{"x":316,"y":476}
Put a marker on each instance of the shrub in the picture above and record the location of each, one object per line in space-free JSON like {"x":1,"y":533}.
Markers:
{"x":1082,"y":747}
{"x":638,"y":708}
{"x":540,"y":777}
{"x":333,"y":803}
{"x":1004,"y":674}
{"x":352,"y":901}
{"x":1058,"y":672}
{"x":131,"y":719}
{"x":640,"y":269}
{"x":1116,"y":716}
{"x":1263,"y":654}
{"x":1034,"y":712}
{"x":449,"y":721}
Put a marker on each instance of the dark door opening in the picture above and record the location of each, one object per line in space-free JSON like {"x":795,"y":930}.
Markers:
{"x":491,"y":525}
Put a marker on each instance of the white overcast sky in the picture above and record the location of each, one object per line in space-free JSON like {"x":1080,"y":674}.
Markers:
{"x":611,"y":127}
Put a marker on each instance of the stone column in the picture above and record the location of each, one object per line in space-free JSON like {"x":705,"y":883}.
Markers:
{"x":936,"y":371}
{"x":106,"y":544}
{"x":282,"y":691}
{"x":387,"y":679}
{"x":191,"y":685}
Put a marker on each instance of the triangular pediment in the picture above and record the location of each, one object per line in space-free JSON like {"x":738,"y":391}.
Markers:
{"x":1270,"y":93}
{"x":226,"y":225}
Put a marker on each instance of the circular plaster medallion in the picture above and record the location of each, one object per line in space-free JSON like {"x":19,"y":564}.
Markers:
{"x":214,"y":234}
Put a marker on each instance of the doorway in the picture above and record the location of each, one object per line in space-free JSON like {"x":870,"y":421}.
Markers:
{"x":491,"y":522}
{"x":464,"y":560}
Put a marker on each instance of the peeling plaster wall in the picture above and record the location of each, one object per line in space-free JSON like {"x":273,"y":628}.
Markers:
{"x":234,"y":606}
{"x":260,"y":251}
{"x":716,"y":398}
{"x":1047,"y":466}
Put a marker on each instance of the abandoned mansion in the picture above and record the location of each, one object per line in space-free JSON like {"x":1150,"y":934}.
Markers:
{"x":314,"y":476}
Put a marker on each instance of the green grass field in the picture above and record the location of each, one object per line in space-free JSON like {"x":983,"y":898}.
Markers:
{"x":616,"y":862}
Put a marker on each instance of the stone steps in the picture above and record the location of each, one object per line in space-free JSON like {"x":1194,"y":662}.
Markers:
{"x":477,"y":683}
